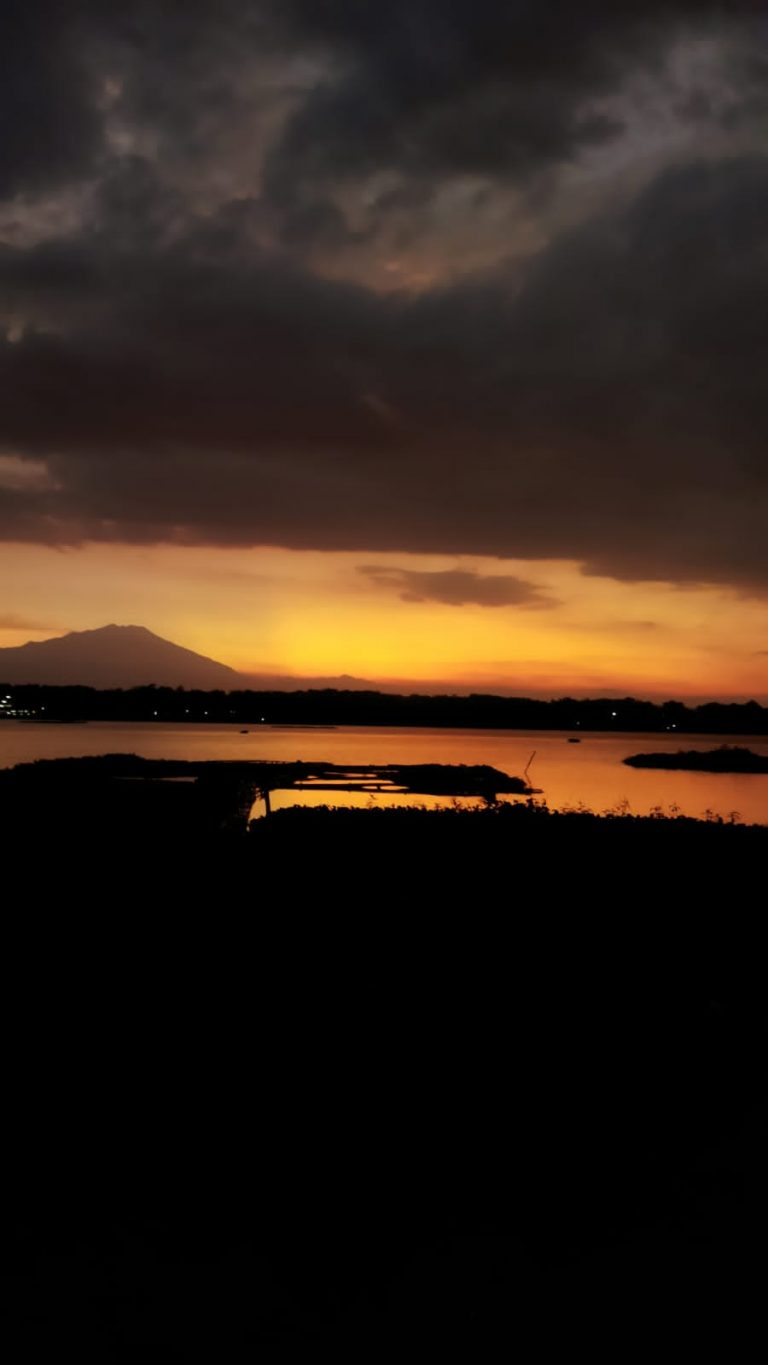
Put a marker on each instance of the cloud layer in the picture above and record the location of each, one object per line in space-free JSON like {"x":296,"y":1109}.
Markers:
{"x":234,"y":309}
{"x":459,"y":587}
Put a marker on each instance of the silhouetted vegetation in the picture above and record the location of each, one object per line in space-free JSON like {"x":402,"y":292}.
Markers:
{"x":726,"y":759}
{"x":479,"y":850}
{"x":331,"y":707}
{"x":120,"y":800}
{"x":357,"y":1077}
{"x":121,"y":797}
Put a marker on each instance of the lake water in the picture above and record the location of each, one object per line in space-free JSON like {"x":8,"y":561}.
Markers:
{"x":590,"y":773}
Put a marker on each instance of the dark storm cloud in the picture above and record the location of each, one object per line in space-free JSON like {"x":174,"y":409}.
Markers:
{"x":49,"y":123}
{"x":420,"y":88}
{"x":458,"y":587}
{"x":178,"y":375}
{"x":436,"y":87}
{"x":57,"y":61}
{"x":431,"y":89}
{"x":611,"y":410}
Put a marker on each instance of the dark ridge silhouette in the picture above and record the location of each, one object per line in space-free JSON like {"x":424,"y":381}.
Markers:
{"x":331,"y":707}
{"x":132,"y":656}
{"x":113,"y":656}
{"x":726,"y":759}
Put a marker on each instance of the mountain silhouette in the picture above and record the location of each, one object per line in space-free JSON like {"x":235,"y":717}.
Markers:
{"x":113,"y":656}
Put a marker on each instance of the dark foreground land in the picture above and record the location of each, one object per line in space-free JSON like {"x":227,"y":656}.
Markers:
{"x":728,"y":758}
{"x":366,"y":1081}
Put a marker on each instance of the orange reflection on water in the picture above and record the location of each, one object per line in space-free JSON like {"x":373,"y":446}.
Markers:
{"x":590,"y":773}
{"x":282,"y":800}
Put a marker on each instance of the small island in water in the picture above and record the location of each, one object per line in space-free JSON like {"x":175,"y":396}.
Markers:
{"x":727,"y":759}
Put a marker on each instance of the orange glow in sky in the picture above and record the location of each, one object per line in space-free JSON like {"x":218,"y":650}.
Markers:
{"x":309,"y":614}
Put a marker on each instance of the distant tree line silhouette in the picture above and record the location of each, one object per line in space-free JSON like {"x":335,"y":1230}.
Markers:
{"x":336,"y":707}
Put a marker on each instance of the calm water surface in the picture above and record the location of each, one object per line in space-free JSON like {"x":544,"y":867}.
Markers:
{"x":590,"y":773}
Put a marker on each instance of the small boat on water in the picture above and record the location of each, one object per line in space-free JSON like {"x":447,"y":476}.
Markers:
{"x":574,"y":740}
{"x":245,"y":732}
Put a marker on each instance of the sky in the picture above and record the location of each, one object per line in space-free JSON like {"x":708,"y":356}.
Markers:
{"x":423,"y":342}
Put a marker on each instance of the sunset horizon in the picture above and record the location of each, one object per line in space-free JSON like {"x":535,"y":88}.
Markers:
{"x":512,"y":682}
{"x":416,"y":343}
{"x":539,"y":628}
